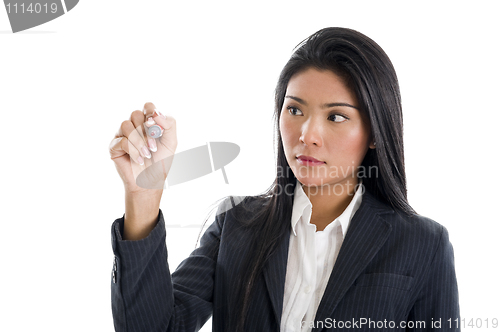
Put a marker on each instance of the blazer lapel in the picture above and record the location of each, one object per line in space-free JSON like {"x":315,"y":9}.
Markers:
{"x":366,"y":234}
{"x":274,"y":275}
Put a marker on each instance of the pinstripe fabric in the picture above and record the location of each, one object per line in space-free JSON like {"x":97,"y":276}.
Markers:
{"x":390,"y":267}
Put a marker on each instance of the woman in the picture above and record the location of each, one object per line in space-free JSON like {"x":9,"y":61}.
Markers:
{"x":361,"y":258}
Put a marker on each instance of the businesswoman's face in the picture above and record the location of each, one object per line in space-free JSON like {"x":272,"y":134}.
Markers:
{"x":320,"y":119}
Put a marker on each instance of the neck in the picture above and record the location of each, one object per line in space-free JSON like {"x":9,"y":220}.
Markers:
{"x":329,"y":201}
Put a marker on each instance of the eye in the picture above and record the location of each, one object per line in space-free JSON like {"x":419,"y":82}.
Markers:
{"x":293,"y":110}
{"x":337,"y":118}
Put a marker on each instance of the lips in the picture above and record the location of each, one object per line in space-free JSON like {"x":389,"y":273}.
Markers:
{"x":309,"y":158}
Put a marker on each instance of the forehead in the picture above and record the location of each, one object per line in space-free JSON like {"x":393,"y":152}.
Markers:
{"x":320,"y":86}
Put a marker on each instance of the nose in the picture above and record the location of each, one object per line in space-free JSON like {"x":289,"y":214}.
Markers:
{"x":311,"y":133}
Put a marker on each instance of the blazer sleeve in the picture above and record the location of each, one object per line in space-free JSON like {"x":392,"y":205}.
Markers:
{"x":146,"y":297}
{"x":437,"y":304}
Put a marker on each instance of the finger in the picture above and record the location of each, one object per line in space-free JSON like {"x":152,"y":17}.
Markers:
{"x":137,"y":118}
{"x":149,"y":109}
{"x":169,"y":125}
{"x":151,"y":142}
{"x":115,"y":148}
{"x":149,"y":113}
{"x":121,"y":146}
{"x":123,"y":152}
{"x":149,"y":122}
{"x":135,"y":136}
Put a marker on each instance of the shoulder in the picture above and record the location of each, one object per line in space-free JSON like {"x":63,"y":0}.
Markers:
{"x":404,"y":223}
{"x":409,"y":230}
{"x":422,"y":238}
{"x":419,"y":225}
{"x":417,"y":240}
{"x":426,"y":243}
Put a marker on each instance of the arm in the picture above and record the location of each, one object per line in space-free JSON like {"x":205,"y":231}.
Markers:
{"x":144,"y":295}
{"x":438,"y":299}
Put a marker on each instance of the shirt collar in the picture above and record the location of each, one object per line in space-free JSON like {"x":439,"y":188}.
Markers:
{"x":302,"y":207}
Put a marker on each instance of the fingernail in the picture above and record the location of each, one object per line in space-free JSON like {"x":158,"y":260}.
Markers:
{"x":151,"y":121}
{"x":146,"y":152}
{"x":152,"y":144}
{"x":159,"y":113}
{"x":140,"y":161}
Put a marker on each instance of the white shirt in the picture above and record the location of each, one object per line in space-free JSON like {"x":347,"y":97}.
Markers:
{"x":311,"y":257}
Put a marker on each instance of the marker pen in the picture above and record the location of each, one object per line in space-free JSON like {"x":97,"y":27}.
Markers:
{"x":155,"y":131}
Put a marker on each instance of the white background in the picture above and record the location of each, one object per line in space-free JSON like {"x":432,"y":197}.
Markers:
{"x":66,"y":86}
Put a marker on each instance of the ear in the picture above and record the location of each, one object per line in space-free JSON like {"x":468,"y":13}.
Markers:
{"x":372,"y":145}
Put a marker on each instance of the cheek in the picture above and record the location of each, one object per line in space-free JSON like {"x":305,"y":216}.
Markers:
{"x":287,"y":132}
{"x":354,"y":143}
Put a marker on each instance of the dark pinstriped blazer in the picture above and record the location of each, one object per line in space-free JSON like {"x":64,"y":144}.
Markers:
{"x":390,"y":268}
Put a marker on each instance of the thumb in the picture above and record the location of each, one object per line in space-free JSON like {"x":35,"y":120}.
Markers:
{"x":169,"y":136}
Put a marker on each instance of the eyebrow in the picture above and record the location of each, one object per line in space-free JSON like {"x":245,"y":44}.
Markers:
{"x":303,"y":102}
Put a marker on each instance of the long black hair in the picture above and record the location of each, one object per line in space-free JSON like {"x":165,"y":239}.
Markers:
{"x":367,"y":70}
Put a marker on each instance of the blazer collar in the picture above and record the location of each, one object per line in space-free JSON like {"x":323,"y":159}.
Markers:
{"x":275,"y":274}
{"x":367,"y":232}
